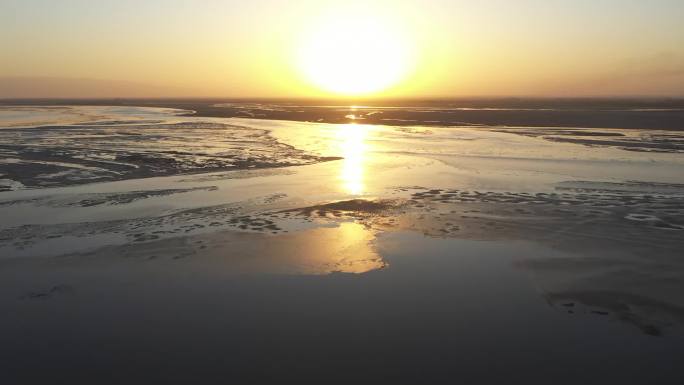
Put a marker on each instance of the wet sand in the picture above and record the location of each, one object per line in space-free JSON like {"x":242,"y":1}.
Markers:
{"x":248,"y":251}
{"x":133,"y":147}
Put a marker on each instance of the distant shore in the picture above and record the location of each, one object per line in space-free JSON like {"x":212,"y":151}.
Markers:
{"x":627,"y":113}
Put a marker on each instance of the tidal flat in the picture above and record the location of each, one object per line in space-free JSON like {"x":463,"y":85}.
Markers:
{"x":151,"y":244}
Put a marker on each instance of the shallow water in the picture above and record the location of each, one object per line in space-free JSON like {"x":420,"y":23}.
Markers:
{"x":339,"y":253}
{"x":442,"y":308}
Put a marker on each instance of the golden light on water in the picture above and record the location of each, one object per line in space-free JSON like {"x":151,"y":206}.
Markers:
{"x":346,"y":248}
{"x":353,"y":146}
{"x":356,"y":254}
{"x":354,"y":55}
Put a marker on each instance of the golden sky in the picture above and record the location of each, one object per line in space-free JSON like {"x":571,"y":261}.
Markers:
{"x":266,"y":48}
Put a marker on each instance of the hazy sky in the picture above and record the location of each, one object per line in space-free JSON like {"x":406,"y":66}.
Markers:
{"x":249,"y":48}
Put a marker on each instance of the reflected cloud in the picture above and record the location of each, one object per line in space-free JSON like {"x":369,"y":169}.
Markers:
{"x":347,"y":248}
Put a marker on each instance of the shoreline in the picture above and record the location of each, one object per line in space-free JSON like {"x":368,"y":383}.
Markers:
{"x":595,"y":113}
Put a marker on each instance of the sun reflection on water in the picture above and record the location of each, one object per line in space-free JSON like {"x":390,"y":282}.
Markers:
{"x":353,"y":146}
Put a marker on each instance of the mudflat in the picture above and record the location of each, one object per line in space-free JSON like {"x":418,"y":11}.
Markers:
{"x":250,"y":248}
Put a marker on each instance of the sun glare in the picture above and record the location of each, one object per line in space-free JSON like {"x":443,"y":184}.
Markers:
{"x":353,"y":147}
{"x":354,"y":55}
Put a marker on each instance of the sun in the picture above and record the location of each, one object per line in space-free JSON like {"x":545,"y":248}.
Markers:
{"x":354,"y":55}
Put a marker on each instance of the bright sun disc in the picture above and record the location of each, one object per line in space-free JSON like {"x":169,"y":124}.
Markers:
{"x":354,"y":56}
